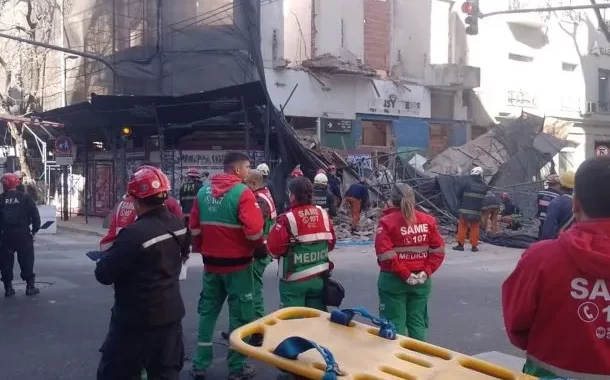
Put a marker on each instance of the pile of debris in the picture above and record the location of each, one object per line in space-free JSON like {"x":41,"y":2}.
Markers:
{"x":366,"y":228}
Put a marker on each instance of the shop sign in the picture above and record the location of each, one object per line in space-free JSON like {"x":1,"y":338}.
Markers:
{"x":599,"y":50}
{"x":392,"y":105}
{"x":396,"y":99}
{"x":520,"y":98}
{"x":337,"y":125}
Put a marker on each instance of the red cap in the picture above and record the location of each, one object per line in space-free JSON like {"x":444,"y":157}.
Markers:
{"x":147,"y":182}
{"x":192,"y":172}
{"x":321,"y":171}
{"x":296,"y":173}
{"x":10,"y":181}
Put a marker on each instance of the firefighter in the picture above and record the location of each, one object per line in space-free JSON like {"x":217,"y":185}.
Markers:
{"x":295,"y":173}
{"x":125,"y":214}
{"x":255,"y":181}
{"x":144,"y":264}
{"x":26,"y":186}
{"x":490,"y":212}
{"x":357,"y":197}
{"x":189,"y":190}
{"x":227,"y":227}
{"x":322,"y":195}
{"x":544,"y":198}
{"x":265,"y":171}
{"x":302,"y":238}
{"x":409,"y":250}
{"x":471,"y":196}
{"x":556,"y":300}
{"x":17,"y":213}
{"x":559,"y":213}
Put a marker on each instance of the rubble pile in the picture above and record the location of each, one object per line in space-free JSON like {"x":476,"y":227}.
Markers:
{"x":366,"y":228}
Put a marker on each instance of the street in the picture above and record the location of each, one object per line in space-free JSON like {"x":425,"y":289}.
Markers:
{"x":57,"y":334}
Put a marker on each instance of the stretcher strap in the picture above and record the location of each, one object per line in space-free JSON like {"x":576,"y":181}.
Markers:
{"x":345,"y":316}
{"x":292,"y":347}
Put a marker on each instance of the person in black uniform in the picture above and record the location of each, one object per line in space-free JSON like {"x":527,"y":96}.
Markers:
{"x":544,"y":198}
{"x":189,"y":190}
{"x":17,"y":212}
{"x":144,"y":265}
{"x":321,"y":194}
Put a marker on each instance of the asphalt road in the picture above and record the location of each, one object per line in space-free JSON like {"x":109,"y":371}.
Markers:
{"x":57,"y":334}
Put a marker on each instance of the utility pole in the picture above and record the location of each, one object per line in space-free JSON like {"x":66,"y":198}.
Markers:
{"x":546,"y":9}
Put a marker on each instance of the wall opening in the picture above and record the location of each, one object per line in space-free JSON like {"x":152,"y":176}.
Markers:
{"x":376,"y":133}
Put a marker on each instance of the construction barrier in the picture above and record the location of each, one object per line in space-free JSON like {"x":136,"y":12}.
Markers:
{"x":48,"y":219}
{"x":318,"y":345}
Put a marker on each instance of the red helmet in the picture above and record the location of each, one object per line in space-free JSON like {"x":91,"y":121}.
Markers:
{"x":296,"y":173}
{"x":192,"y":172}
{"x":148,"y":181}
{"x":10,"y":181}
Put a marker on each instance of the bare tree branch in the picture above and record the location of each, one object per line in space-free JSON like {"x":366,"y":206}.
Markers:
{"x":28,"y":17}
{"x":600,"y":21}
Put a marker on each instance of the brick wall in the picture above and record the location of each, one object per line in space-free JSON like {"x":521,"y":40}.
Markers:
{"x":377,"y":28}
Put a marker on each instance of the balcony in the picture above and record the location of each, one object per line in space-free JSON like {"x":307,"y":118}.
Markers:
{"x":452,"y":77}
{"x":532,"y":19}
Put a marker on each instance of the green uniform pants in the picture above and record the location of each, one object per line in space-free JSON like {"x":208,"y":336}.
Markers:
{"x":235,"y":287}
{"x":532,"y":369}
{"x":308,"y":293}
{"x":406,"y":306}
{"x":258,"y":270}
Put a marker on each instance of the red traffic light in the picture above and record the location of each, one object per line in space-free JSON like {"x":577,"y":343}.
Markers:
{"x":467,"y":8}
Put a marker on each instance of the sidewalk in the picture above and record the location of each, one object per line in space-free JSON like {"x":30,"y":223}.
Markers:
{"x":77,"y":224}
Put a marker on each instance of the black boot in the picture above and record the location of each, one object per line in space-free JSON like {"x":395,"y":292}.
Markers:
{"x":459,"y":247}
{"x":31,"y":289}
{"x":8,"y":290}
{"x":225,"y":335}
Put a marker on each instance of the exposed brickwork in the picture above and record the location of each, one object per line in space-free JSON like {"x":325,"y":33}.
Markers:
{"x":377,"y":29}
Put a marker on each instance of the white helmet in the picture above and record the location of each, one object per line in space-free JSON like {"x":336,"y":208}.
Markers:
{"x":263,"y":168}
{"x":478,"y":171}
{"x":320,"y":179}
{"x":19,"y":174}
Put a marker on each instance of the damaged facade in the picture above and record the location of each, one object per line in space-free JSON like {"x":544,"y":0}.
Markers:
{"x":387,"y":83}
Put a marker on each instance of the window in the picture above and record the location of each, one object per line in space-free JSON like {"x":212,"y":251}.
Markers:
{"x":568,"y":66}
{"x":520,"y":58}
{"x":376,"y":133}
{"x":214,"y":12}
{"x":603,"y":90}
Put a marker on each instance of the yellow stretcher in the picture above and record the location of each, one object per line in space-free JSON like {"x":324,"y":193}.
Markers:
{"x":358,"y":351}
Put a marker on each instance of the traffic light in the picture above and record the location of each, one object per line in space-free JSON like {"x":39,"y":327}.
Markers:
{"x":126,"y":131}
{"x":471,"y":9}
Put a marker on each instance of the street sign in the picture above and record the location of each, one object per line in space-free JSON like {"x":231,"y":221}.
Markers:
{"x":602,"y":150}
{"x":337,"y":125}
{"x":64,"y":151}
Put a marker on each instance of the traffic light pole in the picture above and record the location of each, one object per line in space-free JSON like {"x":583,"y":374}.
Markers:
{"x":546,"y":9}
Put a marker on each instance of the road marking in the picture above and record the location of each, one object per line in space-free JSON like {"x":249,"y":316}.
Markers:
{"x":514,"y":363}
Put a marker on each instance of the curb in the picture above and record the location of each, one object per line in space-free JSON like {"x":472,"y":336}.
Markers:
{"x":80,"y":231}
{"x":353,"y":243}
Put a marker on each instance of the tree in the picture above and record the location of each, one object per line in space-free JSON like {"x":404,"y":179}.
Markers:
{"x":600,"y":21}
{"x":23,"y":67}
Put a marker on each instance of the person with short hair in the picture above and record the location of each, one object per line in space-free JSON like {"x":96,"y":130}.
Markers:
{"x":227,"y":227}
{"x":302,"y":238}
{"x":559,"y":213}
{"x":409,"y":250}
{"x":556,"y":302}
{"x":545,"y":197}
{"x":144,"y":266}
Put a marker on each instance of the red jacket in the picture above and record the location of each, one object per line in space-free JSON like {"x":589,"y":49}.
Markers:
{"x":213,"y":240}
{"x":403,"y":248}
{"x":557,"y":302}
{"x":125,"y":214}
{"x":278,"y":240}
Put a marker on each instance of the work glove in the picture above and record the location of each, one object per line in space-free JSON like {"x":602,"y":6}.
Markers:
{"x":260,"y":252}
{"x":413,"y":279}
{"x":422,"y":277}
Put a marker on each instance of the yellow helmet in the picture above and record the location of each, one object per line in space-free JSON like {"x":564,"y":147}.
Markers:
{"x":566,"y":179}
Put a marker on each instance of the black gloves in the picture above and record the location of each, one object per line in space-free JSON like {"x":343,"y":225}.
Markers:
{"x":261,"y":252}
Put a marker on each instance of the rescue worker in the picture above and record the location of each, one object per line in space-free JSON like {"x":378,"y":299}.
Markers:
{"x":302,"y":238}
{"x":26,"y":187}
{"x":322,"y":196}
{"x":125,"y":214}
{"x":334,"y":185}
{"x":556,"y":300}
{"x":17,"y":213}
{"x":508,"y":209}
{"x":265,"y":171}
{"x":490,"y":212}
{"x":227,"y":227}
{"x":409,"y":250}
{"x":296,"y":172}
{"x":256,"y":182}
{"x":559,"y":213}
{"x":357,"y":196}
{"x":189,"y":190}
{"x":471,"y":195}
{"x":544,"y":198}
{"x":144,"y":264}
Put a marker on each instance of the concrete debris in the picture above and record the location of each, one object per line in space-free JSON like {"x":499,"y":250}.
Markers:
{"x":339,"y":65}
{"x":366,"y":228}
